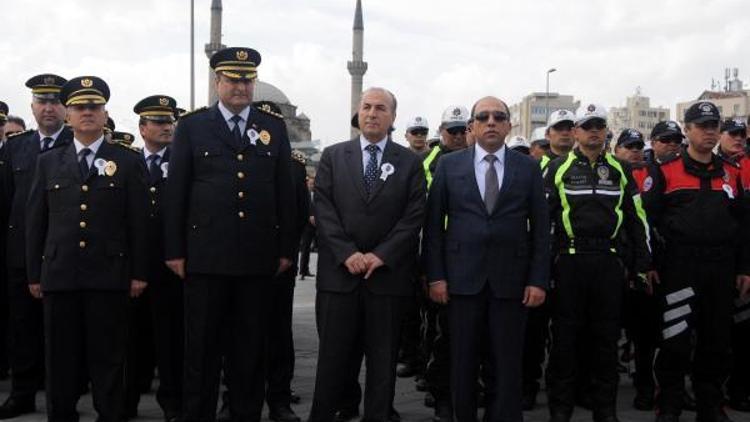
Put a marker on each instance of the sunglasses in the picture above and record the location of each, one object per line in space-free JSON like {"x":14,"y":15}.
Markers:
{"x":460,"y":130}
{"x":635,"y":146}
{"x":738,"y":133}
{"x":484,"y":116}
{"x":676,"y":140}
{"x":563,"y":126}
{"x":418,"y":132}
{"x":594,"y":124}
{"x":708,"y":125}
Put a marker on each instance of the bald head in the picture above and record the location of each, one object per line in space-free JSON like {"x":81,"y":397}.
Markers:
{"x":490,"y":123}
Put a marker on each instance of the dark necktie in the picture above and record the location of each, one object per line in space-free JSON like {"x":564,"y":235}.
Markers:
{"x":236,"y":129}
{"x":47,"y":143}
{"x":491,"y":188}
{"x":371,"y":170}
{"x":154,"y":169}
{"x":83,"y":164}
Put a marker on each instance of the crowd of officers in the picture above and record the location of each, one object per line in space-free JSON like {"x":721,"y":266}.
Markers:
{"x":652,"y":241}
{"x":181,"y":256}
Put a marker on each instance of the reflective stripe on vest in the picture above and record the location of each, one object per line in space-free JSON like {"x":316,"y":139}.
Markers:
{"x":426,"y":164}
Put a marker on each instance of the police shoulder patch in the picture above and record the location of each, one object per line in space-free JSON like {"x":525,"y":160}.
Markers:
{"x":648,"y":183}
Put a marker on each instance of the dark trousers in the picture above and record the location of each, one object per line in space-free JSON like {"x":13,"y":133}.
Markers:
{"x":503,"y":322}
{"x":280,"y":360}
{"x":586,"y":302}
{"x":642,"y":326}
{"x":308,"y":237}
{"x":410,"y":350}
{"x":696,"y":298}
{"x":166,"y":294}
{"x":139,"y":360}
{"x":738,"y":386}
{"x":26,"y":337}
{"x":347,"y":321}
{"x":535,"y":348}
{"x":85,"y":329}
{"x":438,"y":367}
{"x":224,"y":316}
{"x":4,"y":315}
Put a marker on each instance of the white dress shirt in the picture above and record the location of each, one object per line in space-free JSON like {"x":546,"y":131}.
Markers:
{"x":244,"y":114}
{"x":480,"y":166}
{"x":363,"y":143}
{"x":54,"y":137}
{"x":93,"y":147}
{"x":160,"y":153}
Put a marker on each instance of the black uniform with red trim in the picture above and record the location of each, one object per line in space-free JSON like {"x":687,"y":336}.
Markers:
{"x":699,"y":212}
{"x":738,"y":385}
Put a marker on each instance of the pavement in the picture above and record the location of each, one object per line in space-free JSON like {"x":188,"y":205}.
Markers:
{"x":408,"y":402}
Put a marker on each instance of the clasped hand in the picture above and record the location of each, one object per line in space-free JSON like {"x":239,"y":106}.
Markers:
{"x":366,"y":264}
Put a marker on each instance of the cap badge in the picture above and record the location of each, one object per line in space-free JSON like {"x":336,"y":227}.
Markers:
{"x":87,"y":83}
{"x":418,"y":120}
{"x":163,"y":101}
{"x":242,"y":55}
{"x":49,"y":80}
{"x":672,"y":125}
{"x":591,"y":108}
{"x":127,"y":137}
{"x":456,"y":111}
{"x":706,"y":107}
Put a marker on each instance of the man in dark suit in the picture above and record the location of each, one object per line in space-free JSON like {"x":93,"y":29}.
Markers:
{"x":486,"y":251}
{"x":369,"y":204}
{"x":26,"y":328}
{"x":87,"y":254}
{"x":4,"y":202}
{"x":156,"y":326}
{"x":229,"y":229}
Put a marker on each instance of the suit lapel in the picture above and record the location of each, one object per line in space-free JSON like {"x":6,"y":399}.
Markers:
{"x":221,"y":128}
{"x":354,"y":164}
{"x":390,"y":155}
{"x":471,"y":178}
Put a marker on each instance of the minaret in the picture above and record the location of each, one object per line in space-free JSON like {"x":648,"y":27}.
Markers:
{"x":357,"y":67}
{"x":213,"y":46}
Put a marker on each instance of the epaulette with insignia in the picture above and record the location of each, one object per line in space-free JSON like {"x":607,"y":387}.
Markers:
{"x":196,"y":111}
{"x":299,"y":156}
{"x":123,"y":145}
{"x":17,"y":134}
{"x":269,"y":107}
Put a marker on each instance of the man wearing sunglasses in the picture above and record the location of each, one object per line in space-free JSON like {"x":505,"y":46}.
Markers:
{"x":416,"y":135}
{"x":490,"y":262}
{"x":629,"y":147}
{"x":666,"y":139}
{"x":592,"y":197}
{"x":453,"y":131}
{"x":732,"y":145}
{"x":560,"y":135}
{"x":452,"y":138}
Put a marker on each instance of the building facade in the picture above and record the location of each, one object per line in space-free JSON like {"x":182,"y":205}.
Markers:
{"x":636,"y":114}
{"x":533,"y":110}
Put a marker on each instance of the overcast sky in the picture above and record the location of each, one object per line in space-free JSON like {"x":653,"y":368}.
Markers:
{"x":430,"y":53}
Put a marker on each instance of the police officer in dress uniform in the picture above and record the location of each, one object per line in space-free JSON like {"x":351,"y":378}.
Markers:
{"x":87,"y":253}
{"x":156,"y":327}
{"x":229,"y":229}
{"x":26,"y":328}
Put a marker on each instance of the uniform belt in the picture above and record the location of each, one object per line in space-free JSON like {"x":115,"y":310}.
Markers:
{"x":589,"y":244}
